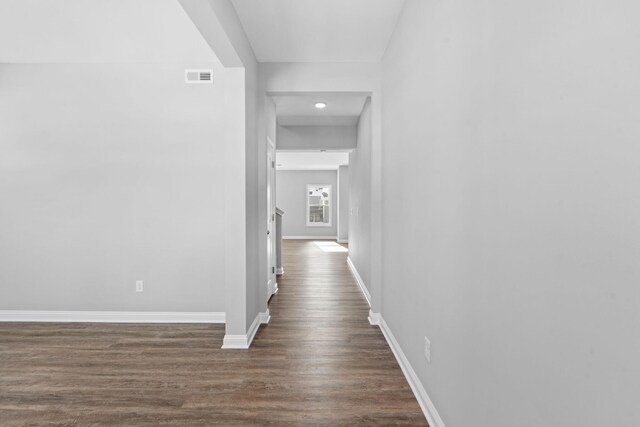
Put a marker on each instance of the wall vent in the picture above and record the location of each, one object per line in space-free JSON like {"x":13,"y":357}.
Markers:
{"x":198,"y":76}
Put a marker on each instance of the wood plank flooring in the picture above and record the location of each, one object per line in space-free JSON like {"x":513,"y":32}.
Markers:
{"x":318,"y":362}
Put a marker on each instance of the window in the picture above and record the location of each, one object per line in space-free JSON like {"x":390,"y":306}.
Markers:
{"x":319,"y":205}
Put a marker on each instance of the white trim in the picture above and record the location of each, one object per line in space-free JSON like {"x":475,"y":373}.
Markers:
{"x":243,"y":342}
{"x":329,"y":150}
{"x":306,"y":168}
{"x":275,"y":290}
{"x":111,"y":316}
{"x":359,"y":281}
{"x":264,"y":317}
{"x":428,"y":408}
{"x":309,"y":237}
{"x":342,"y":240}
{"x":374,"y":318}
{"x":279,"y":272}
{"x":233,"y":342}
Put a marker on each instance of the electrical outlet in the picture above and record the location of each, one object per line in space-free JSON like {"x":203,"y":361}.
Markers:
{"x":427,"y":349}
{"x":139,"y":286}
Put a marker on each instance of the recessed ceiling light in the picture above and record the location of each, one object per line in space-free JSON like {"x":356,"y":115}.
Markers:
{"x":320,"y":105}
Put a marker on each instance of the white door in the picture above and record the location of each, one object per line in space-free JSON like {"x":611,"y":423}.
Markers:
{"x":271,"y":171}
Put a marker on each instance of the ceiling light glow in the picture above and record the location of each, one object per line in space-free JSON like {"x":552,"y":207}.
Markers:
{"x":320,"y":105}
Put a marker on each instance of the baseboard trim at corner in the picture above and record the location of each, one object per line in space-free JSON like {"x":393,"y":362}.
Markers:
{"x":428,"y":408}
{"x":264,"y":317}
{"x":359,"y":281}
{"x":309,"y":237}
{"x":279,"y":271}
{"x":374,"y":318}
{"x":234,"y":342}
{"x":271,"y":288}
{"x":342,"y":240}
{"x":111,"y":316}
{"x":243,"y":342}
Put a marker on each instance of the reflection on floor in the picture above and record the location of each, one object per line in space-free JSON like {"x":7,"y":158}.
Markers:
{"x":329,"y":246}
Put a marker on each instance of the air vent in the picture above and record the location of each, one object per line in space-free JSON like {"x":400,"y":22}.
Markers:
{"x":198,"y":76}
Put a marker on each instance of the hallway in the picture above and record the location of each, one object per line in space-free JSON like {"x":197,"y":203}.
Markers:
{"x":341,"y":369}
{"x":318,"y":362}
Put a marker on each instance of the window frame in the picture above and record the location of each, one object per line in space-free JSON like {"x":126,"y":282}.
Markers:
{"x":330,"y":206}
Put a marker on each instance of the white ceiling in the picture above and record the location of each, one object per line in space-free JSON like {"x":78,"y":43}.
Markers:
{"x":99,"y":31}
{"x":310,"y":160}
{"x":318,"y":30}
{"x":299,"y":110}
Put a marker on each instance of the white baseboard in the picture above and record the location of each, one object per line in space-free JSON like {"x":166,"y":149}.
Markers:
{"x":430,"y":412}
{"x":243,"y":342}
{"x":342,"y":240}
{"x":309,"y":237}
{"x":264,"y":317}
{"x":111,"y":316}
{"x":374,"y":318}
{"x":359,"y":281}
{"x":234,"y":342}
{"x":280,"y":271}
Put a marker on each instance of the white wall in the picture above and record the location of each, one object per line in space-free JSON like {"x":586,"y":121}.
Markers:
{"x":511,"y":215}
{"x":256,"y":201}
{"x":343,"y":204}
{"x":360,"y":199}
{"x":44,"y":31}
{"x":311,"y":160}
{"x":316,"y":137}
{"x":110,"y":173}
{"x":292,"y":198}
{"x":245,"y":159}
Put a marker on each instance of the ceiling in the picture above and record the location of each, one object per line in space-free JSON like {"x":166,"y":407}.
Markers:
{"x":343,"y":109}
{"x":99,"y":31}
{"x":310,"y":160}
{"x":318,"y":30}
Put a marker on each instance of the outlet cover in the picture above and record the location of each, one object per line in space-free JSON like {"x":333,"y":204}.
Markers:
{"x":139,"y":286}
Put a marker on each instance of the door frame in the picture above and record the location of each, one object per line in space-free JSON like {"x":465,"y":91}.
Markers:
{"x":272,"y":285}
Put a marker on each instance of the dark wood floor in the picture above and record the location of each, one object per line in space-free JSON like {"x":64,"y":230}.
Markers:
{"x":318,"y":362}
